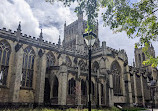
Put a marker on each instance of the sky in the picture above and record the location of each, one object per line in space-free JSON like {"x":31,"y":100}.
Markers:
{"x":37,"y":14}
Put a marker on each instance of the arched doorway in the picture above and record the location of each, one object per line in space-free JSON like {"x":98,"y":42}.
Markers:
{"x":47,"y":92}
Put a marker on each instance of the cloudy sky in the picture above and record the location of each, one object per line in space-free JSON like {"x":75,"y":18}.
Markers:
{"x":37,"y":14}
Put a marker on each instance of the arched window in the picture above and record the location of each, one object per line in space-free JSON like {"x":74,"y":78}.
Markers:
{"x":143,"y":56}
{"x":68,"y":61}
{"x":95,"y":66}
{"x":116,"y":71}
{"x":72,"y":85}
{"x":50,"y":59}
{"x":83,"y":87}
{"x":55,"y":87}
{"x":92,"y":88}
{"x":5,"y":51}
{"x":27,"y":68}
{"x":82,"y":65}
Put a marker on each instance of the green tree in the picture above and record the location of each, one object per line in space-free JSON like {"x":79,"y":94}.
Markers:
{"x":136,"y":19}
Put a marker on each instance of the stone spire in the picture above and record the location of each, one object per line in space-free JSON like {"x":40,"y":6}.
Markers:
{"x":80,"y":15}
{"x":41,"y":35}
{"x":133,"y":63}
{"x":59,"y":41}
{"x":18,"y":34}
{"x":65,"y":24}
{"x":19,"y":27}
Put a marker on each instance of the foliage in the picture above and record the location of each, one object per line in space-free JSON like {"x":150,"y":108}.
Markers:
{"x":133,"y":109}
{"x":136,"y":19}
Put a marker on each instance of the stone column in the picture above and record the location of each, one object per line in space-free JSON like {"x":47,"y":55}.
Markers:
{"x":99,"y":87}
{"x":130,"y":90}
{"x":142,"y":90}
{"x":78,"y":91}
{"x":135,"y":88}
{"x":111,"y":94}
{"x":62,"y":84}
{"x":16,"y":76}
{"x":40,"y":79}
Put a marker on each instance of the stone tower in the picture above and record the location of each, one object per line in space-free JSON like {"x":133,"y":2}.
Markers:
{"x":140,"y":56}
{"x":73,"y":35}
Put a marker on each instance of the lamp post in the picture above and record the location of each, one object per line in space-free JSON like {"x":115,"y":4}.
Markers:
{"x":89,"y":39}
{"x":152,"y":85}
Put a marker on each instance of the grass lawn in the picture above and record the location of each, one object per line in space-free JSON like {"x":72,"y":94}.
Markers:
{"x":47,"y":109}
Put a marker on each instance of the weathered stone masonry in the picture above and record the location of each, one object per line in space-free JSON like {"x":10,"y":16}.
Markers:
{"x":36,"y":71}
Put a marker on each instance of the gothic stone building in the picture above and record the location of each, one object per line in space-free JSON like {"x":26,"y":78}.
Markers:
{"x":36,"y":71}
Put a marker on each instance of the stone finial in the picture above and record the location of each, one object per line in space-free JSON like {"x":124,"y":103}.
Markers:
{"x":133,"y":63}
{"x":41,"y":35}
{"x":19,"y":26}
{"x":104,"y":44}
{"x":59,"y":41}
{"x":80,"y":15}
{"x":65,"y":24}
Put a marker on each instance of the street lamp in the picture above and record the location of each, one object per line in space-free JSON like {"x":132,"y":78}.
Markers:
{"x":152,"y":85}
{"x":89,"y":39}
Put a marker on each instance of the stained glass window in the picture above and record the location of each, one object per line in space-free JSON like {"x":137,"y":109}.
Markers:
{"x":27,"y":68}
{"x":5,"y":51}
{"x":116,"y":71}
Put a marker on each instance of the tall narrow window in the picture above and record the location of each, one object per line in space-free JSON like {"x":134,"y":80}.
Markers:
{"x":55,"y":87}
{"x":27,"y":69}
{"x":92,"y":88}
{"x":50,"y":59}
{"x":5,"y":51}
{"x":72,"y":85}
{"x":116,"y":71}
{"x":83,"y":87}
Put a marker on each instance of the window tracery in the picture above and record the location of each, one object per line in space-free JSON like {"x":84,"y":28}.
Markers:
{"x":50,"y":59}
{"x":68,"y":61}
{"x":82,"y":65}
{"x":5,"y":51}
{"x":95,"y":66}
{"x":27,"y":68}
{"x":116,"y":71}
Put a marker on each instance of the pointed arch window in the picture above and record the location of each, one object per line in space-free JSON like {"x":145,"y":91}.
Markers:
{"x":72,"y":85}
{"x":68,"y":61}
{"x":83,"y":87}
{"x":95,"y":66}
{"x":27,"y":68}
{"x":5,"y":51}
{"x":55,"y":87}
{"x":92,"y":88}
{"x":82,"y":65}
{"x":116,"y":72}
{"x":50,"y":59}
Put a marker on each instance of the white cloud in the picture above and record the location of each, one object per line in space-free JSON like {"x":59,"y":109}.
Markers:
{"x":36,"y":14}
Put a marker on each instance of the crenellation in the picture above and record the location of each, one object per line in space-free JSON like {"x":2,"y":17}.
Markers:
{"x":4,"y":29}
{"x":110,"y":70}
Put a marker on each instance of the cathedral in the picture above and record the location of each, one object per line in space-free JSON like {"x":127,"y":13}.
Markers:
{"x":35,"y":71}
